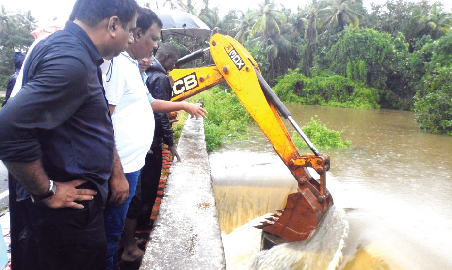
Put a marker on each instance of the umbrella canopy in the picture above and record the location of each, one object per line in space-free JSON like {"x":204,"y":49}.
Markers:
{"x":180,"y":23}
{"x":41,"y":32}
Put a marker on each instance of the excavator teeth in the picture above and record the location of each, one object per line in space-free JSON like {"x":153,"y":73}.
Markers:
{"x":265,"y":223}
{"x":262,"y":225}
{"x":272,"y":218}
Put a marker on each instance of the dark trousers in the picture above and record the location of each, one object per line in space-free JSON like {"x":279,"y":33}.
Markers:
{"x":141,"y":205}
{"x":64,"y":238}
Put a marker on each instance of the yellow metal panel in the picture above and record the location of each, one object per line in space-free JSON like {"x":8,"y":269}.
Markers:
{"x":237,"y":67}
{"x":189,"y":82}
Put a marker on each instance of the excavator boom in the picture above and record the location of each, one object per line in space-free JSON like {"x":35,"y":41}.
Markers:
{"x":235,"y":65}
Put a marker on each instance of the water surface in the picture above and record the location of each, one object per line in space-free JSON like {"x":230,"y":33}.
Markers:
{"x":393,"y":185}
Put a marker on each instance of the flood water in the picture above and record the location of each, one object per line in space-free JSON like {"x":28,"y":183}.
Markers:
{"x":391,"y":193}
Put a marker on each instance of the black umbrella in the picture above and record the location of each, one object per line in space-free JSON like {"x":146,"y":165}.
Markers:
{"x":180,"y":23}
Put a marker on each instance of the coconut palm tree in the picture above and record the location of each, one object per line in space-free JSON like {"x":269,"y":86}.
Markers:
{"x":299,"y":24}
{"x":242,"y":29}
{"x":6,"y":23}
{"x":267,"y":21}
{"x":438,"y":21}
{"x":170,"y":4}
{"x":338,"y":13}
{"x":186,"y":6}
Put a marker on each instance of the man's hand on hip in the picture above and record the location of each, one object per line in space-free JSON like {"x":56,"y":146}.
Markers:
{"x":67,"y":194}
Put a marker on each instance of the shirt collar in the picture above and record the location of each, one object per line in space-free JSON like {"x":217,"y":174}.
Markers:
{"x":144,"y":77}
{"x":127,"y":56}
{"x":83,"y":36}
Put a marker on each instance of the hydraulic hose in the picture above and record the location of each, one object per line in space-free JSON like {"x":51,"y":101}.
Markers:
{"x":281,"y":108}
{"x":190,"y":57}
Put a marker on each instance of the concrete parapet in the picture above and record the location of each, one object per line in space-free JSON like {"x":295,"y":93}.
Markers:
{"x":186,"y":233}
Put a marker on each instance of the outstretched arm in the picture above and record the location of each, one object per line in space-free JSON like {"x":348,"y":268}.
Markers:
{"x":167,"y":106}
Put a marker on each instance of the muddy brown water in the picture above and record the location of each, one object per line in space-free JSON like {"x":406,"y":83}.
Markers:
{"x":391,"y":192}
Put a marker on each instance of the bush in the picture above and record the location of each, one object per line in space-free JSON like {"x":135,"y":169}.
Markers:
{"x":371,"y":59}
{"x":434,"y":108}
{"x":433,"y":102}
{"x":335,"y":90}
{"x":320,"y":136}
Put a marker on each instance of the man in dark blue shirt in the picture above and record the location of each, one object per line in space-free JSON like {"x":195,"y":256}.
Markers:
{"x":57,"y":138}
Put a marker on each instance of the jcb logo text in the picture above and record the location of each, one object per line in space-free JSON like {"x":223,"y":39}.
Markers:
{"x":185,"y":84}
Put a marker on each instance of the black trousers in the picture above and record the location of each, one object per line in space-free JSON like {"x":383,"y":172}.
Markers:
{"x":140,"y":207}
{"x":64,"y":238}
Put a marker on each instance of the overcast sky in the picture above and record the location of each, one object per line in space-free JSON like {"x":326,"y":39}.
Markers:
{"x":46,"y":10}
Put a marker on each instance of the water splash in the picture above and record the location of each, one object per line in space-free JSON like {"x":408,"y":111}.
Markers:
{"x":323,"y":250}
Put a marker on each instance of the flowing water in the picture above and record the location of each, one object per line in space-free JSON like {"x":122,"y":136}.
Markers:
{"x":391,"y":194}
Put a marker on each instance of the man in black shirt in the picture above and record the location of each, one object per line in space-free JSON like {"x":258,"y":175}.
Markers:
{"x":57,"y":138}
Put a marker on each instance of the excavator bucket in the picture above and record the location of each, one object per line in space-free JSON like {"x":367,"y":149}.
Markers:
{"x":299,"y":219}
{"x":235,"y":65}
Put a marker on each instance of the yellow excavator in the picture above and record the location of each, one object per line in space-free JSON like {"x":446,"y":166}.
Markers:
{"x":235,"y":65}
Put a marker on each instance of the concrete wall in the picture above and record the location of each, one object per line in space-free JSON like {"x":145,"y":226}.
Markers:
{"x":186,"y":233}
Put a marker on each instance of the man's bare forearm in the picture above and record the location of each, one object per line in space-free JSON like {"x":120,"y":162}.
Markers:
{"x":30,"y":175}
{"x":117,"y":167}
{"x":167,"y":106}
{"x":163,"y":106}
{"x":118,"y":184}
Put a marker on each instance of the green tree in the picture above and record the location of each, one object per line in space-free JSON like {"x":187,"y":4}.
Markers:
{"x":333,"y":90}
{"x":243,"y":29}
{"x":268,"y":23}
{"x":374,"y":48}
{"x":299,"y":25}
{"x":399,"y":16}
{"x":338,"y":13}
{"x":170,"y":4}
{"x":377,"y":60}
{"x":217,"y":23}
{"x":433,"y":104}
{"x":434,"y":108}
{"x":438,"y":22}
{"x":15,"y":29}
{"x":308,"y":18}
{"x":187,"y":6}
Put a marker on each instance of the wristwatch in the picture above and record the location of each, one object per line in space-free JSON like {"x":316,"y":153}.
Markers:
{"x":51,"y":192}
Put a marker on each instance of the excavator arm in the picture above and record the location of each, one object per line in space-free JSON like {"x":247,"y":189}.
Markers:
{"x":235,"y":65}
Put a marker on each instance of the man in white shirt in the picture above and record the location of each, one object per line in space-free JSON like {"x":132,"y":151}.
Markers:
{"x":131,"y":107}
